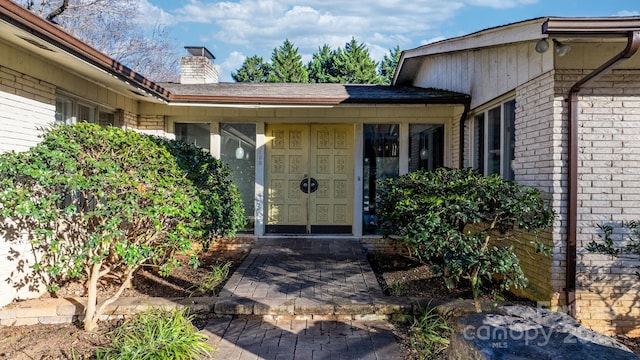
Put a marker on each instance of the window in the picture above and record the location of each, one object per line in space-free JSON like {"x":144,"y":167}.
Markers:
{"x":426,"y":146}
{"x":70,"y":111}
{"x":198,"y":134}
{"x":381,"y":161}
{"x":492,"y":140}
{"x":238,"y":151}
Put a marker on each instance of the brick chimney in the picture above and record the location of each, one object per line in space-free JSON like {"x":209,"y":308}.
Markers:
{"x":198,"y":68}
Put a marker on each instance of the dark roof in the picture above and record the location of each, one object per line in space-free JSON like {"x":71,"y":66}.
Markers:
{"x":325,"y":94}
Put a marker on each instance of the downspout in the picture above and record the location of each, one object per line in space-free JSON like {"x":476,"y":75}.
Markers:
{"x":633,"y":43}
{"x":463,"y":119}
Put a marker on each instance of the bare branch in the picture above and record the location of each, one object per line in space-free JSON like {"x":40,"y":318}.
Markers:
{"x":58,"y":11}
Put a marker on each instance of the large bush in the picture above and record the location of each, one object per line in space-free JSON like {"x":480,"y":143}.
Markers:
{"x":222,"y":213}
{"x":456,"y":219}
{"x":101,"y":202}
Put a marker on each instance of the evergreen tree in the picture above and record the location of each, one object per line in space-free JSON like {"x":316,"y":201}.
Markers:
{"x":354,"y":65}
{"x":253,"y":70}
{"x":389,"y":64}
{"x":321,"y":66}
{"x":287,"y":66}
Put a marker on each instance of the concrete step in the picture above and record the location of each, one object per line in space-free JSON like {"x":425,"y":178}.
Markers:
{"x":67,"y":310}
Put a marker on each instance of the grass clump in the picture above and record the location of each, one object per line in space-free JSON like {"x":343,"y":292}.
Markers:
{"x":157,"y":334}
{"x":217,"y":275}
{"x":429,"y":334}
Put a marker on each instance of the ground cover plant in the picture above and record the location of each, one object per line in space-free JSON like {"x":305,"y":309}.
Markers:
{"x":100,"y":203}
{"x":157,"y":334}
{"x":457,"y":219}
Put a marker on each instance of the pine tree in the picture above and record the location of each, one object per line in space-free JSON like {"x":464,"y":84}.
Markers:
{"x":287,"y":66}
{"x":253,"y":70}
{"x":354,"y":65}
{"x":389,"y":64}
{"x":321,"y":66}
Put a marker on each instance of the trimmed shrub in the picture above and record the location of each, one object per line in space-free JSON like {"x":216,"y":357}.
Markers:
{"x":101,"y":202}
{"x":455,"y":219}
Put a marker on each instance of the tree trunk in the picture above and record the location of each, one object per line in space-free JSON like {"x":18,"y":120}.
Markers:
{"x":90,"y":315}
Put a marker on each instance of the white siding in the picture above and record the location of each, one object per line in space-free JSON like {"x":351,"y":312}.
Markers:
{"x":20,"y":121}
{"x":484,"y":73}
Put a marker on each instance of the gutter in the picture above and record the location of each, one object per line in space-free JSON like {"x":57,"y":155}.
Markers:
{"x":463,"y":118}
{"x":633,"y":44}
{"x":25,"y":20}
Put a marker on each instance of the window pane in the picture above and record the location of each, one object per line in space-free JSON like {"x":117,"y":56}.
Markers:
{"x":64,"y":111}
{"x":238,"y":151}
{"x":198,"y":134}
{"x":381,"y":161}
{"x":426,"y":147}
{"x":493,"y":141}
{"x":509,"y":109}
{"x":86,"y":113}
{"x":478,"y":155}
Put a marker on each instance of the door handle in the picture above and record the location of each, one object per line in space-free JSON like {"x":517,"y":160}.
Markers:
{"x":309,"y":185}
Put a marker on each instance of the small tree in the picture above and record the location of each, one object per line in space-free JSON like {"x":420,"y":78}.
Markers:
{"x":389,"y":64}
{"x":98,"y":202}
{"x":253,"y":70}
{"x":287,"y":66}
{"x":455,"y":219}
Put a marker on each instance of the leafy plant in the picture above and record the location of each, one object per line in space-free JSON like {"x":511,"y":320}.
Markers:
{"x":157,"y":334}
{"x":397,"y":288}
{"x":456,"y":219}
{"x":608,"y":247}
{"x":429,"y":334}
{"x":222,"y":213}
{"x":218,"y":273}
{"x":101,"y":202}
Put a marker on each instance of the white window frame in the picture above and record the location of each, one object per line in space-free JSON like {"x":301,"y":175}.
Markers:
{"x":507,"y":154}
{"x":94,"y":109}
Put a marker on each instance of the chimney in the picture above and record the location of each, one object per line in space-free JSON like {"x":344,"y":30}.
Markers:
{"x":198,"y":68}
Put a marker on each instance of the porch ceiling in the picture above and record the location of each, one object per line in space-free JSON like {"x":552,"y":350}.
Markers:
{"x":309,"y":94}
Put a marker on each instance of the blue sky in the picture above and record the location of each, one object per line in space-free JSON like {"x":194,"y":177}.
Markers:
{"x":234,"y":30}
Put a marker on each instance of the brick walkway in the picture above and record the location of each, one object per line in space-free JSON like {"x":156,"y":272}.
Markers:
{"x":300,"y":298}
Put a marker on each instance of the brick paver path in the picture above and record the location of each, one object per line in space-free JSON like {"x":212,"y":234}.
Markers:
{"x":303,"y":271}
{"x":247,"y":338}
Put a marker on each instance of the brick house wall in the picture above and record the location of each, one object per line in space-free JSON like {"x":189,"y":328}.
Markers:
{"x":539,"y":159}
{"x":26,"y":104}
{"x":608,"y":289}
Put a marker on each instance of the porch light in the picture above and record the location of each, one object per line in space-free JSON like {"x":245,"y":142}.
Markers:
{"x":542,"y":46}
{"x":561,"y":49}
{"x":239,"y":151}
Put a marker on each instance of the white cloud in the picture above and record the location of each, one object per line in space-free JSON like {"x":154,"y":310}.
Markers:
{"x":149,"y":14}
{"x":432,"y":40}
{"x":259,"y":24}
{"x":230,"y":64}
{"x":628,"y":13}
{"x":501,"y":4}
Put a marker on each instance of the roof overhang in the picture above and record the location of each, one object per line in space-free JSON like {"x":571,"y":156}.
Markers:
{"x":591,"y":27}
{"x":529,"y":30}
{"x":24,"y":29}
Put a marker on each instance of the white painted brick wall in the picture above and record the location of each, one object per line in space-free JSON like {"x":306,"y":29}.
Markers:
{"x":608,"y":290}
{"x":20,"y":121}
{"x":26,"y":105}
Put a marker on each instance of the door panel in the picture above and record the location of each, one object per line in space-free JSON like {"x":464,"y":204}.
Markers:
{"x":323,"y":153}
{"x":287,"y":165}
{"x":331,"y":164}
